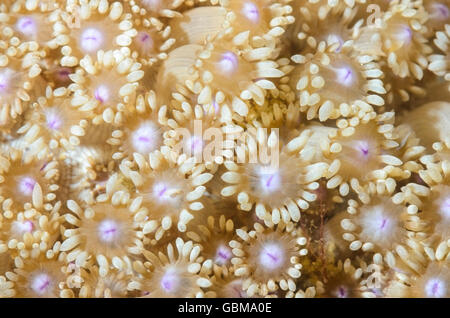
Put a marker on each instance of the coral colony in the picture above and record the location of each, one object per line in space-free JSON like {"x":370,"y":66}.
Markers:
{"x":224,"y":148}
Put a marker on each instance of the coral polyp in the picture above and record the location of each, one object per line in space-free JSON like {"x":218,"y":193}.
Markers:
{"x":224,"y":148}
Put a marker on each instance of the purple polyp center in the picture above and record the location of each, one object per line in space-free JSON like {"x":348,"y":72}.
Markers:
{"x":445,"y":209}
{"x":26,"y":185}
{"x":223,"y":255}
{"x":441,"y":10}
{"x":44,"y":285}
{"x":435,"y":288}
{"x":383,"y":223}
{"x":144,"y":37}
{"x":27,"y":26}
{"x":40,"y":283}
{"x":196,"y":144}
{"x":162,"y":191}
{"x":101,"y":94}
{"x":342,"y":293}
{"x":145,"y":40}
{"x":251,"y":12}
{"x":91,"y":40}
{"x":271,"y":256}
{"x":144,"y":139}
{"x":269,"y":181}
{"x":63,"y":74}
{"x":345,"y":76}
{"x":169,"y":282}
{"x":28,"y":226}
{"x":228,"y":63}
{"x":53,"y":122}
{"x":108,"y":231}
{"x":405,"y":35}
{"x":363,"y":148}
{"x":3,"y":82}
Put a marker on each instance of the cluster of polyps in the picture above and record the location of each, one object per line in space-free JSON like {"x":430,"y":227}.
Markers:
{"x":99,"y":196}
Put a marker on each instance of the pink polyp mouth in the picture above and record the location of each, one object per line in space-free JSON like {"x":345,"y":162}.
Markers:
{"x":195,"y":145}
{"x":145,"y":41}
{"x":363,"y":149}
{"x":27,"y":226}
{"x":144,"y":138}
{"x":41,"y":284}
{"x":4,"y":81}
{"x":345,"y":76}
{"x":63,"y":73}
{"x":269,"y":180}
{"x":102,"y":94}
{"x":170,"y":282}
{"x":251,"y":12}
{"x":228,"y":63}
{"x":53,"y":121}
{"x":271,"y":257}
{"x":26,"y":26}
{"x":342,"y":292}
{"x":435,"y":288}
{"x":440,"y":11}
{"x":91,"y":40}
{"x":26,"y":185}
{"x":445,"y":209}
{"x":161,"y":192}
{"x":223,"y":255}
{"x":404,"y":35}
{"x":108,"y":231}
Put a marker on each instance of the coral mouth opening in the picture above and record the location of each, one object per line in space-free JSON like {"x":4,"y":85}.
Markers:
{"x":26,"y":26}
{"x":162,"y":192}
{"x":251,"y":12}
{"x":108,"y":231}
{"x":440,"y":11}
{"x":194,"y":145}
{"x":26,"y":185}
{"x":54,"y":122}
{"x":23,"y":227}
{"x":269,"y":181}
{"x":101,"y":93}
{"x":271,"y":256}
{"x":435,"y":288}
{"x":445,"y":209}
{"x":363,"y":149}
{"x":404,"y":35}
{"x":143,"y":139}
{"x":342,"y":292}
{"x":41,"y":284}
{"x":4,"y":81}
{"x":170,"y":282}
{"x":228,"y":63}
{"x":91,"y":40}
{"x":223,"y":255}
{"x":145,"y":40}
{"x":345,"y":76}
